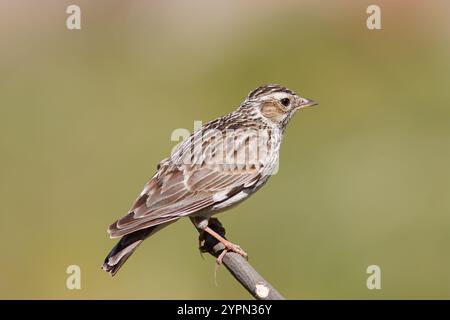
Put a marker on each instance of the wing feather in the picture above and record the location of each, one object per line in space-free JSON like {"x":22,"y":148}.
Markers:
{"x":179,"y":189}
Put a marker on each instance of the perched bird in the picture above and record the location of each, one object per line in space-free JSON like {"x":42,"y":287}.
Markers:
{"x":216,"y":167}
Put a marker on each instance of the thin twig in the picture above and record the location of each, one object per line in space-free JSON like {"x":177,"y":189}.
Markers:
{"x":238,"y":266}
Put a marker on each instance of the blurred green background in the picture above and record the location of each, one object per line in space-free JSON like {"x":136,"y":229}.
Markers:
{"x":364,"y":179}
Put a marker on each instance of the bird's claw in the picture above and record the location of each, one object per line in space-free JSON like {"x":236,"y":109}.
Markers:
{"x":231,"y":247}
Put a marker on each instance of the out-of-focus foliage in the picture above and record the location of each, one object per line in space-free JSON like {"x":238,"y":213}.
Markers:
{"x":364,"y":178}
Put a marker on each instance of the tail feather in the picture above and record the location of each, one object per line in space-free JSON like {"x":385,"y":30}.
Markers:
{"x":124,"y":249}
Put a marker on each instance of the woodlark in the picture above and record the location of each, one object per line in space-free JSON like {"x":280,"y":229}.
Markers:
{"x":215,"y":168}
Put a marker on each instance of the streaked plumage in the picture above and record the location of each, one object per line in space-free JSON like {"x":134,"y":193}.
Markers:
{"x":218,"y":166}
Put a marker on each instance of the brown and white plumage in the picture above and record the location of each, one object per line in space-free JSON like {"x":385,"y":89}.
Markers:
{"x":216,"y":167}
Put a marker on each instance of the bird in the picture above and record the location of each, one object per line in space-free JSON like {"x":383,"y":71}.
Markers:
{"x":217,"y":167}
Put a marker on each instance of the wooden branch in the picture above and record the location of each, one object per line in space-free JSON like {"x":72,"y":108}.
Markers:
{"x":238,"y":266}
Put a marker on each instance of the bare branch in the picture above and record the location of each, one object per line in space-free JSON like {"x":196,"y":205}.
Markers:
{"x":238,"y":266}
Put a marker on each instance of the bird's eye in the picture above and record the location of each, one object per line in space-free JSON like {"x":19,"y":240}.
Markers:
{"x":285,"y":102}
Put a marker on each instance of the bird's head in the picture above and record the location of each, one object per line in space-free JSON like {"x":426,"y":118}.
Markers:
{"x":275,"y":103}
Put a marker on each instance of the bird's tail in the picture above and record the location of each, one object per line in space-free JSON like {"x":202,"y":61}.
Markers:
{"x":125,"y":248}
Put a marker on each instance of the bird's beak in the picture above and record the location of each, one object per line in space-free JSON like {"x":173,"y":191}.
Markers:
{"x":308,"y":103}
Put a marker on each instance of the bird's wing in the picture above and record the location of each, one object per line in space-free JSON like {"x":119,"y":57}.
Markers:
{"x":179,"y":189}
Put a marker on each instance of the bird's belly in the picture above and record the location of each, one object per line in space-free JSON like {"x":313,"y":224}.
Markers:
{"x":236,"y":199}
{"x":231,"y":202}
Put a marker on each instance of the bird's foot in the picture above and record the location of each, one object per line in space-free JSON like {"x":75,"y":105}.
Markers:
{"x":230,"y":247}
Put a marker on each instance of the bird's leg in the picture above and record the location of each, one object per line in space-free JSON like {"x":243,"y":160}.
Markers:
{"x":212,"y":232}
{"x":229,"y":246}
{"x":200,"y":223}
